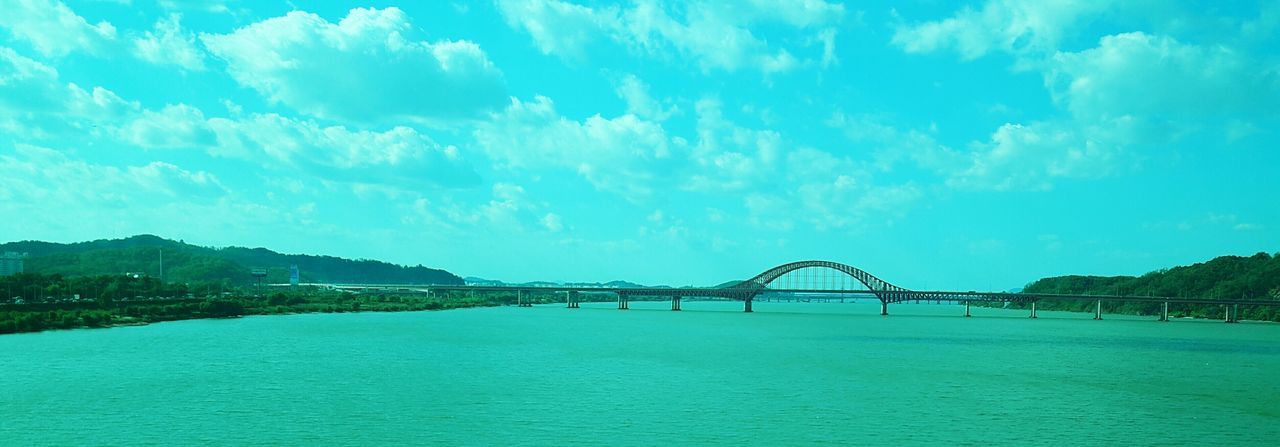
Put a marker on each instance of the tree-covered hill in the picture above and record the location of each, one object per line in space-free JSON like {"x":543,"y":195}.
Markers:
{"x":190,"y":263}
{"x":1253,"y":277}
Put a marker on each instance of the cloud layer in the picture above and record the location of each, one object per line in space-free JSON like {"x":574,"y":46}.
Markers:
{"x":367,"y":68}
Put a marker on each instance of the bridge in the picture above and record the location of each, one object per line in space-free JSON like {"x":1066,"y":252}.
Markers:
{"x":819,"y":278}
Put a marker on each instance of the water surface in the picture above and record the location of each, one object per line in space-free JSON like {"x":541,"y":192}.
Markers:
{"x":790,"y":373}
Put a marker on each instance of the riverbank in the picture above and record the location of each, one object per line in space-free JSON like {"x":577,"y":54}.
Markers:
{"x":36,"y":317}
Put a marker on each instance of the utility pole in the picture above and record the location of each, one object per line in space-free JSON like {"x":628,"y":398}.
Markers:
{"x":160,"y":286}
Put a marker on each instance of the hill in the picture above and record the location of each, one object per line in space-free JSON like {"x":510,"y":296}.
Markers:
{"x":1256,"y":276}
{"x":191,"y":263}
{"x":1223,"y":277}
{"x":477,"y":281}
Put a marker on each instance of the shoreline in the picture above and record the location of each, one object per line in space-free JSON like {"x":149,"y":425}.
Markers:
{"x":131,"y":321}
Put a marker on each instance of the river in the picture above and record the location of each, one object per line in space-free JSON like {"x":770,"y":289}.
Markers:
{"x":790,"y":373}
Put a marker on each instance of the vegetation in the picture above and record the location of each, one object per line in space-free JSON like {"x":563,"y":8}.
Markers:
{"x":41,"y":302}
{"x":211,"y":288}
{"x":185,"y":263}
{"x":1226,"y":277}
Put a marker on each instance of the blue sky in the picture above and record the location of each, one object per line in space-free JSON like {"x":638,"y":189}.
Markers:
{"x":935,"y":144}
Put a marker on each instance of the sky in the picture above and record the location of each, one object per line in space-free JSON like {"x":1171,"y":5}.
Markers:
{"x":936,"y":144}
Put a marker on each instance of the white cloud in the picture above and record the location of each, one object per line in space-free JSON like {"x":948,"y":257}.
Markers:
{"x":1013,"y":26}
{"x":770,"y":211}
{"x":365,"y":68}
{"x":176,"y":126}
{"x":1132,"y":92}
{"x":1246,"y":227}
{"x":891,"y":145}
{"x":38,"y":176}
{"x":836,"y":192}
{"x":36,"y":104}
{"x":1019,"y":157}
{"x":53,"y":29}
{"x":168,"y":44}
{"x":639,"y":103}
{"x":633,"y":157}
{"x":400,"y":156}
{"x":213,"y":6}
{"x":716,"y":35}
{"x":552,"y":222}
{"x":729,"y":157}
{"x":1015,"y":157}
{"x":1143,"y":75}
{"x":828,"y":39}
{"x":509,"y":208}
{"x":559,"y":27}
{"x":148,"y":197}
{"x":618,"y":155}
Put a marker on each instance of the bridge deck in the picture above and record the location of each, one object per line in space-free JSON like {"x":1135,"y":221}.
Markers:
{"x":732,"y":293}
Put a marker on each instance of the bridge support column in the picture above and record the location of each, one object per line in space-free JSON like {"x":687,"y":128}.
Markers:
{"x":675,"y":303}
{"x":884,"y":307}
{"x":1097,"y":315}
{"x":966,"y":308}
{"x":623,"y":302}
{"x":1233,"y":315}
{"x":571,"y":299}
{"x":747,"y":306}
{"x":1033,"y":309}
{"x":1164,"y":312}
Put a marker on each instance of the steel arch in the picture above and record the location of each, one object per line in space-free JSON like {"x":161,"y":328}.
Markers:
{"x":882,"y":289}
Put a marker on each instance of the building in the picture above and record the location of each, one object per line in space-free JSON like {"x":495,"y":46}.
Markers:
{"x":11,"y":263}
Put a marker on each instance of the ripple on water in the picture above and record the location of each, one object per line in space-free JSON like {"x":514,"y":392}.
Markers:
{"x":790,"y":373}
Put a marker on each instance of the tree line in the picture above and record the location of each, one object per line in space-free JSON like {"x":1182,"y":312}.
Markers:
{"x":1226,"y":277}
{"x":38,"y":302}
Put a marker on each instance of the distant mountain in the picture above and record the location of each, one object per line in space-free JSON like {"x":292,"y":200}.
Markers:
{"x":477,"y":281}
{"x":191,"y":263}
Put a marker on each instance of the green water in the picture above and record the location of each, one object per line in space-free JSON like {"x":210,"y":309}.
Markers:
{"x":799,"y":373}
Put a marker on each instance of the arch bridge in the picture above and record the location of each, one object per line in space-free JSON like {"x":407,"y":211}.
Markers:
{"x":833,"y":278}
{"x":856,"y":282}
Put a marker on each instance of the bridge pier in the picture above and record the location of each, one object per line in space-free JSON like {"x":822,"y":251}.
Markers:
{"x":675,"y":303}
{"x":520,"y":299}
{"x":1164,"y":312}
{"x":571,"y":299}
{"x":1033,"y":309}
{"x":747,"y":307}
{"x":1097,"y":315}
{"x":884,"y":307}
{"x":623,"y":302}
{"x":1233,"y":313}
{"x":966,"y":308}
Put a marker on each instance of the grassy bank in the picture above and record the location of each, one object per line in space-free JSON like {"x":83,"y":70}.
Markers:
{"x":41,"y":316}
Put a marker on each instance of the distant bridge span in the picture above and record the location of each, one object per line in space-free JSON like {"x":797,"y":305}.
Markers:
{"x":766,"y":282}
